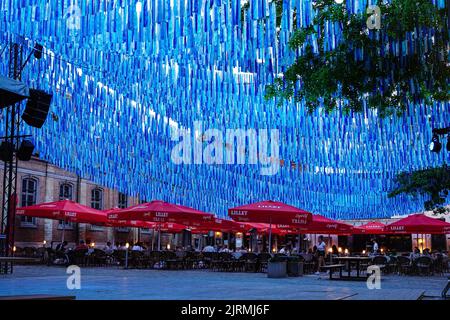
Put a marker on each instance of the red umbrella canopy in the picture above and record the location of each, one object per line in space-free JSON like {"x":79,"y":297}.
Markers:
{"x":273,"y":212}
{"x":126,"y":223}
{"x":264,"y":228}
{"x":372,"y":227}
{"x":218,"y":224}
{"x":161,"y":211}
{"x":418,"y":223}
{"x":321,"y":224}
{"x":64,"y":210}
{"x":169,"y":227}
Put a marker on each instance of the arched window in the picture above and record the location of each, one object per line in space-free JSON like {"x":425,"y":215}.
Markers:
{"x":28,"y":198}
{"x":96,"y":203}
{"x":65,"y":191}
{"x":97,"y":198}
{"x":123,"y":200}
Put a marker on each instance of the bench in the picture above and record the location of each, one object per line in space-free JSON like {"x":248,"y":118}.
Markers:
{"x":332,"y":267}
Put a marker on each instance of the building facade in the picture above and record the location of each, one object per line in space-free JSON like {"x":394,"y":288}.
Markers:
{"x":39,"y":181}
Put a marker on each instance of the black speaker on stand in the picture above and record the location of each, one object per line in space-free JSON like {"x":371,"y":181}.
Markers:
{"x":6,"y":151}
{"x":37,"y":108}
{"x":25,"y":150}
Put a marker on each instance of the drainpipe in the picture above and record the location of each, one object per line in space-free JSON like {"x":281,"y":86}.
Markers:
{"x":77,"y":228}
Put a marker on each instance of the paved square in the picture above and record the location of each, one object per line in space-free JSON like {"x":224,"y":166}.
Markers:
{"x":115,"y":283}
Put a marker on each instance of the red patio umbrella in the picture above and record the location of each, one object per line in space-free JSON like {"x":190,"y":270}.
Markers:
{"x":66,"y":210}
{"x":125,"y":223}
{"x":373,"y":227}
{"x":265,"y":228}
{"x":419,"y":224}
{"x":169,"y":227}
{"x":218,"y":224}
{"x":321,"y":224}
{"x":271,"y":212}
{"x":160,"y":212}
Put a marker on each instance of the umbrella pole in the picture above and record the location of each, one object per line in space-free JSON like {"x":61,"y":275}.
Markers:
{"x":63,"y":230}
{"x":298,"y":243}
{"x":114,"y":237}
{"x":331,"y":245}
{"x":153,"y":239}
{"x":270,"y":236}
{"x":159,"y":237}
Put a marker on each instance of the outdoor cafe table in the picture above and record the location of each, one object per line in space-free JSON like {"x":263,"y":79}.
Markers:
{"x":350,"y":261}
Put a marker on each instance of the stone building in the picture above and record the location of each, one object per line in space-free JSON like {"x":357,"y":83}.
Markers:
{"x":39,"y":181}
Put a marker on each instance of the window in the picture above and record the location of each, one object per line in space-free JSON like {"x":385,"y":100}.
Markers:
{"x":65,"y":193}
{"x":96,"y":228}
{"x":97,"y":198}
{"x":146,"y":231}
{"x":96,"y":203}
{"x":123,"y":200}
{"x":123,"y":229}
{"x":29,"y":198}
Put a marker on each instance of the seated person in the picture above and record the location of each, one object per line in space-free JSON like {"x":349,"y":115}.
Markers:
{"x":108,"y":248}
{"x":137,"y":247}
{"x":426,"y":252}
{"x":209,"y":248}
{"x":415,"y":254}
{"x":81,"y":246}
{"x":225,"y":249}
{"x":61,"y":246}
{"x":335,"y":249}
{"x":284,"y":250}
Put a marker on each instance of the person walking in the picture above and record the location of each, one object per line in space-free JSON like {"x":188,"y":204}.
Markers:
{"x":321,"y":247}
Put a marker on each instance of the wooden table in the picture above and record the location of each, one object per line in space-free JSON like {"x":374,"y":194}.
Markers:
{"x":357,"y":261}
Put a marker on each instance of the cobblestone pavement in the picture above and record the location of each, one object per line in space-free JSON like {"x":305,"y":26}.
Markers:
{"x":116,"y":283}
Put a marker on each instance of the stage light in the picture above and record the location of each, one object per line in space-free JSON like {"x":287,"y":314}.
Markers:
{"x":435,"y":145}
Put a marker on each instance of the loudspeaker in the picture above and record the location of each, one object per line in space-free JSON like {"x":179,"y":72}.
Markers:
{"x":25,"y":150}
{"x":37,"y":107}
{"x":38,"y":51}
{"x":6,"y":151}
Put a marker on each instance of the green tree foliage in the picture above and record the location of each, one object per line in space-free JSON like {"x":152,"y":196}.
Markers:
{"x":434,"y":182}
{"x":405,"y":61}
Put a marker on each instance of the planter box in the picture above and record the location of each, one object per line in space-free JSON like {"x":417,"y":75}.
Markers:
{"x":295,"y":269}
{"x":277,"y":269}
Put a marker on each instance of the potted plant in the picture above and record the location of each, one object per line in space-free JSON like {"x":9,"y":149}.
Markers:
{"x":294,"y":266}
{"x":277,"y":267}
